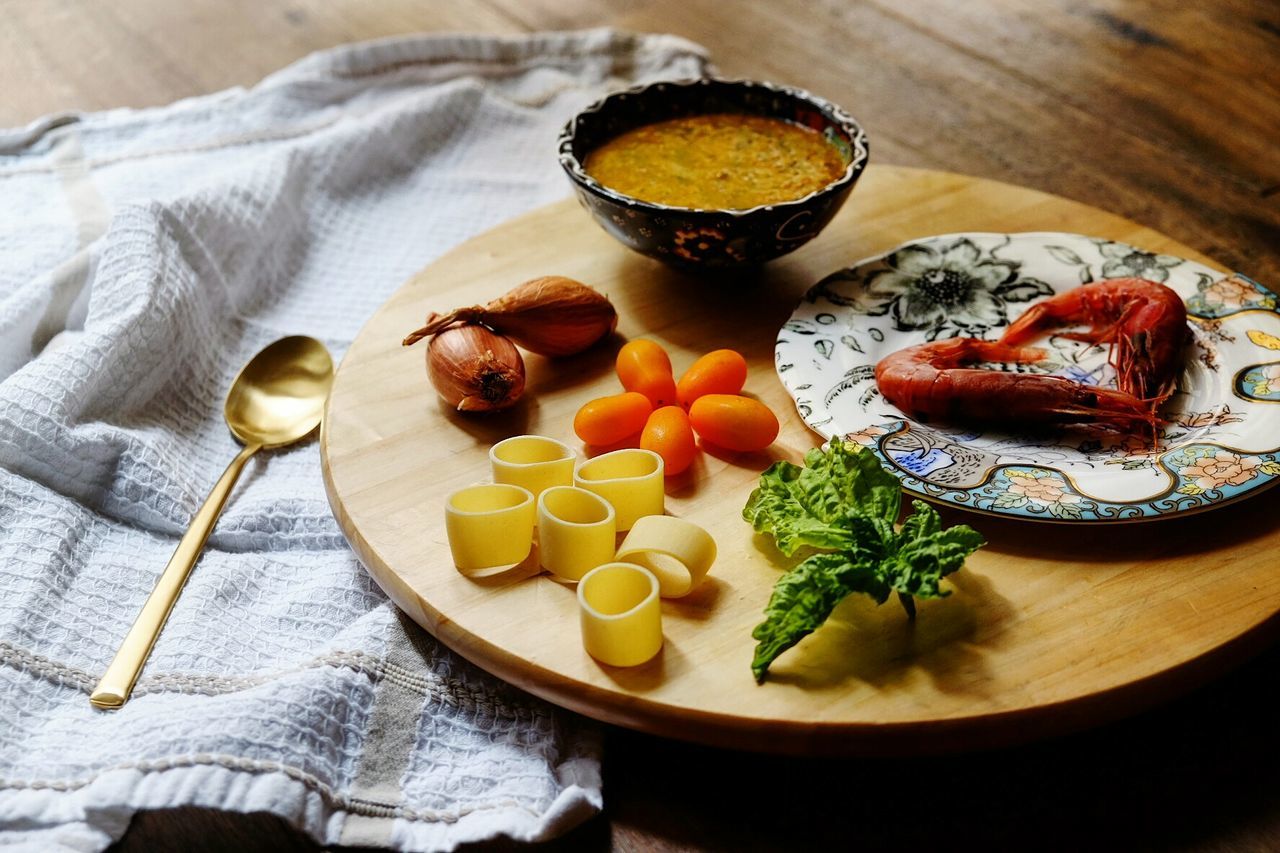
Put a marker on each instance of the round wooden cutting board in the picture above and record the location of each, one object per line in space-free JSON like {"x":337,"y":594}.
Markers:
{"x":1049,"y":628}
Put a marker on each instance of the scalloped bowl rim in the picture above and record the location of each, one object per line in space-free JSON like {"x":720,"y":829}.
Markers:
{"x":837,"y":114}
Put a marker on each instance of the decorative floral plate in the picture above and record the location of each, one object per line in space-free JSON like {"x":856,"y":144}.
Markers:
{"x":1222,"y":437}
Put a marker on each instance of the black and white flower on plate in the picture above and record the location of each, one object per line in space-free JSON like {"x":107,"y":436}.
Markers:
{"x":1124,"y":261}
{"x":944,"y":290}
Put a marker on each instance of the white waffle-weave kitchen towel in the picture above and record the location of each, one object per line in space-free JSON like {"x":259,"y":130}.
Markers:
{"x":144,"y":256}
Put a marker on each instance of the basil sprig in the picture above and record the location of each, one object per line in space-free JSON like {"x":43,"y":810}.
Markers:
{"x":843,"y":505}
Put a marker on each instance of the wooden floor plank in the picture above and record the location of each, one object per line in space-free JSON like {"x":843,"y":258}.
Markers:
{"x":931,"y":103}
{"x":86,"y":55}
{"x":1175,"y":80}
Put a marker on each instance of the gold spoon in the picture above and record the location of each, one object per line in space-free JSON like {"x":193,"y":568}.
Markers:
{"x":277,"y":399}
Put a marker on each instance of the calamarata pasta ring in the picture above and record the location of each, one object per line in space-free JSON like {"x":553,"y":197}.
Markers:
{"x":678,"y":552}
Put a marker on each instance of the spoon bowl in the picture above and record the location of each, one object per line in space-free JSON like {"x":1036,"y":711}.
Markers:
{"x":277,"y":399}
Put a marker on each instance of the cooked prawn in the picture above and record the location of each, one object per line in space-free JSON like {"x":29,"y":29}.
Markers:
{"x":928,"y":381}
{"x":1144,"y":322}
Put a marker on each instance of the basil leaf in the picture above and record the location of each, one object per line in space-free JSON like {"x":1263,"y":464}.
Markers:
{"x":779,"y":507}
{"x":926,"y":553}
{"x":802,"y":600}
{"x":813,"y":505}
{"x":851,"y":478}
{"x":845,"y":502}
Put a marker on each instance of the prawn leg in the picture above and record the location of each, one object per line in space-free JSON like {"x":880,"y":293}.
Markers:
{"x":1144,"y":322}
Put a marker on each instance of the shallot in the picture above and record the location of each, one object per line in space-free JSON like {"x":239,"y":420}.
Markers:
{"x":552,"y":316}
{"x":474,"y":369}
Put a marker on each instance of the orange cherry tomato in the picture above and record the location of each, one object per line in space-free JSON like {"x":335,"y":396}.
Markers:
{"x":608,"y":420}
{"x":644,"y":366}
{"x":723,"y":371}
{"x":668,"y":434}
{"x":733,"y":422}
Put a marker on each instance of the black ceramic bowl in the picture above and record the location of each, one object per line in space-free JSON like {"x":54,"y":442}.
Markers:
{"x":696,"y":238}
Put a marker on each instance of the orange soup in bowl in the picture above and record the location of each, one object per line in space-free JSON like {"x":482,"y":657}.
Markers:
{"x":720,"y":161}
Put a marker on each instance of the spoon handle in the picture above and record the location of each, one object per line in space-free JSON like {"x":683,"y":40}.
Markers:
{"x":117,"y":682}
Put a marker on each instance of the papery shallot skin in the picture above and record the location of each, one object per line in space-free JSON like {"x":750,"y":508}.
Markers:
{"x":552,"y":316}
{"x":474,"y":369}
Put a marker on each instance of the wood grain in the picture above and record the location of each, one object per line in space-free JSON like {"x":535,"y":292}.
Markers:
{"x":1159,"y":112}
{"x":1043,"y":634}
{"x":975,"y":88}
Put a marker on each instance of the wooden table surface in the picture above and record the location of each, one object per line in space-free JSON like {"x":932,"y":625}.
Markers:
{"x":1163,"y":111}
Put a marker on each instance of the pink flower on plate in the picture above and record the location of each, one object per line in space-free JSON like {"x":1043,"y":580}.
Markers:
{"x":1132,"y":452}
{"x":1223,"y":468}
{"x":1133,"y":445}
{"x":866,"y":436}
{"x":1216,"y":416}
{"x":1270,"y":382}
{"x":1229,"y":293}
{"x":1041,"y":487}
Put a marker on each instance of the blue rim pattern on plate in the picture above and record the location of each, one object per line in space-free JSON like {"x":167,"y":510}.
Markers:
{"x":1223,"y":439}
